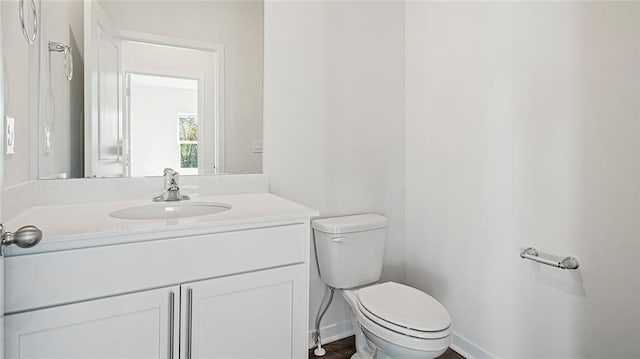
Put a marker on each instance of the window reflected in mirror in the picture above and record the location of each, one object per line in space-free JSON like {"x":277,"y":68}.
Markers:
{"x":188,"y":141}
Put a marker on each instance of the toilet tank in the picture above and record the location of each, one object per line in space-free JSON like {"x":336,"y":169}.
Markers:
{"x":350,"y":249}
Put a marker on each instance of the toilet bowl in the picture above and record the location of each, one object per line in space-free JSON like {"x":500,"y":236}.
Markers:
{"x":391,"y":320}
{"x":398,"y":321}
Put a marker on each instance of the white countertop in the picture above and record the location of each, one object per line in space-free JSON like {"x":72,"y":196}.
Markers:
{"x":75,"y":226}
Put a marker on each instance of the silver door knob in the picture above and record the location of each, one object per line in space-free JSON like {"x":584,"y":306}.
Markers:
{"x":24,"y":237}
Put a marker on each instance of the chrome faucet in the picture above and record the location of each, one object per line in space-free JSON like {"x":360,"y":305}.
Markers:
{"x":172,"y":187}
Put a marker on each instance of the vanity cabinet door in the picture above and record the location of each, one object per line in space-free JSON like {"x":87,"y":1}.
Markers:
{"x":255,"y":315}
{"x":138,"y":325}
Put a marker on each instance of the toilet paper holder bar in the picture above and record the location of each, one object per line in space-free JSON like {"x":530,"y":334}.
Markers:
{"x":566,"y":263}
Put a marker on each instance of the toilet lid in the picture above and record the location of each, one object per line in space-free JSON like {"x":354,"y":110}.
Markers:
{"x":405,"y":307}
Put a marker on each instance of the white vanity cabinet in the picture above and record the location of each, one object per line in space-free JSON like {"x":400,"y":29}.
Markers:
{"x":137,"y":325}
{"x":253,"y":315}
{"x":229,"y":292}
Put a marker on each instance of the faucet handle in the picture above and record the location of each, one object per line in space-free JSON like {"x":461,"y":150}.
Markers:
{"x":171,"y":190}
{"x":169,"y":172}
{"x":171,"y":178}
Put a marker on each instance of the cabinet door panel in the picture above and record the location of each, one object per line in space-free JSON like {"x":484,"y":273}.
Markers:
{"x":254,"y":315}
{"x":126,"y":326}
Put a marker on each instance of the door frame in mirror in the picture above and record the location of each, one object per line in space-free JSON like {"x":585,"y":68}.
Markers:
{"x":217,"y":50}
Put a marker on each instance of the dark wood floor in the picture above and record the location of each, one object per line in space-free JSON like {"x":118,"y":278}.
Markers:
{"x":345,"y":348}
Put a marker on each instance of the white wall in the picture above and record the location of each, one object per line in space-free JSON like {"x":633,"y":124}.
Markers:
{"x":236,"y":24}
{"x":61,"y":22}
{"x":154,"y":141}
{"x":334,"y":117}
{"x":61,"y":101}
{"x":522,"y":128}
{"x":19,"y":86}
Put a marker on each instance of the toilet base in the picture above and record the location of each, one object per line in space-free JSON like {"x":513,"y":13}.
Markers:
{"x":387,"y":350}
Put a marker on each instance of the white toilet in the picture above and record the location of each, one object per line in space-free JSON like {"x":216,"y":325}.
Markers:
{"x":392,"y":320}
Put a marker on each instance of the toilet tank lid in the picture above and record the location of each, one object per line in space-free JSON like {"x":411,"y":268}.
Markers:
{"x":348,"y":224}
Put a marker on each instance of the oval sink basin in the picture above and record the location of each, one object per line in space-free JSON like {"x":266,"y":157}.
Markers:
{"x":170,"y":210}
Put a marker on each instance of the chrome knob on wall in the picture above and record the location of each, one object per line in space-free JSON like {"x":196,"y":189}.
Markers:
{"x":24,"y":237}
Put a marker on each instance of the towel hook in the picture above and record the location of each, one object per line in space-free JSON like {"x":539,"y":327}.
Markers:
{"x":68,"y":57}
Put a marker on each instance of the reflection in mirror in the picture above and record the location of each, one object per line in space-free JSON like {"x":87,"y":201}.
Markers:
{"x":170,"y":106}
{"x":140,"y":135}
{"x":155,"y":84}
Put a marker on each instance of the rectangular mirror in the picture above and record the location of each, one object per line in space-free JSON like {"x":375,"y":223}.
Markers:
{"x":128,"y":88}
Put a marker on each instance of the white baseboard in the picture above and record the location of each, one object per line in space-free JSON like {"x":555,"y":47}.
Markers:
{"x":332,"y":332}
{"x":469,"y":349}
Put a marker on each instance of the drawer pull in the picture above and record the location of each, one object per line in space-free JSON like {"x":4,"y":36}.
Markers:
{"x":171,"y":329}
{"x":189,"y":321}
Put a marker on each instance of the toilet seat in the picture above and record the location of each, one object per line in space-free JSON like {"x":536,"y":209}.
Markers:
{"x":404,"y":310}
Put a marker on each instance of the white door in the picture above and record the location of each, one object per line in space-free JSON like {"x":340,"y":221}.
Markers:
{"x":253,"y":315}
{"x":2,"y":104}
{"x":139,"y":325}
{"x":26,"y":236}
{"x":105,"y":150}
